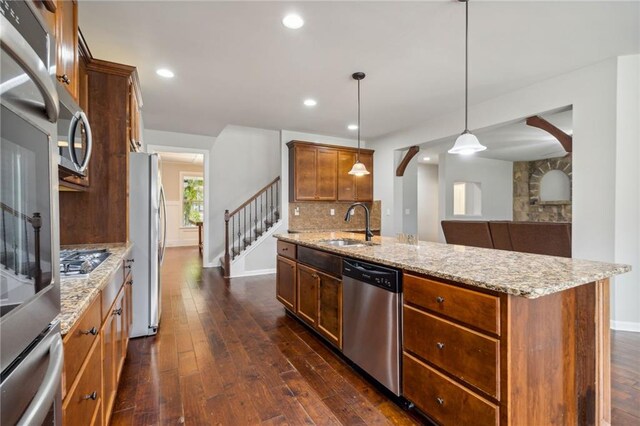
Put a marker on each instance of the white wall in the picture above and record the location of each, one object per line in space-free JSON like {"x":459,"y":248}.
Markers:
{"x":428,"y":213}
{"x":243,"y":160}
{"x":410,"y":198}
{"x":496,"y":182}
{"x":626,"y":291}
{"x":592,"y":91}
{"x":156,"y":140}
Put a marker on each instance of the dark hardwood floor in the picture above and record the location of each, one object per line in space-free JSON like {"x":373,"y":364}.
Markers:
{"x":228,"y":355}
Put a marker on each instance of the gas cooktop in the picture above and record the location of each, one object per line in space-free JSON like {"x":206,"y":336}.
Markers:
{"x":81,"y":262}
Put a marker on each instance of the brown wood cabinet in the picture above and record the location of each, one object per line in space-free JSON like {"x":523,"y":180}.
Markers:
{"x":307,"y":291}
{"x":350,"y":187}
{"x":95,"y":350}
{"x":105,"y":206}
{"x":67,"y":45}
{"x":485,"y":358}
{"x":319,"y":172}
{"x":286,"y":282}
{"x":311,"y":288}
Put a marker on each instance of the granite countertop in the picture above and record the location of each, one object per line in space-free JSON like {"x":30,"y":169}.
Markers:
{"x":519,"y":274}
{"x":77,"y":293}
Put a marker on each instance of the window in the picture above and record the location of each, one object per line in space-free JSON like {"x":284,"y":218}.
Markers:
{"x":192,"y":200}
{"x":467,"y":199}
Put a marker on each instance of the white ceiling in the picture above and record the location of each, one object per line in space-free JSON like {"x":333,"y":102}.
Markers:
{"x":181,"y":157}
{"x":236,"y":64}
{"x":510,"y":142}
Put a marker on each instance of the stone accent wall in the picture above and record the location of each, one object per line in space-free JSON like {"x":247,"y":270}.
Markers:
{"x":526,"y":191}
{"x":316,"y":216}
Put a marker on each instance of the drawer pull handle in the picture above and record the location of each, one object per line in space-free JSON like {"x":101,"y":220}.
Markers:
{"x":440,"y":299}
{"x":440,"y":401}
{"x":117,"y":311}
{"x":314,"y":276}
{"x":93,"y":331}
{"x":440,"y":345}
{"x":64,"y":78}
{"x":285,"y":249}
{"x":130,"y":260}
{"x":93,"y":395}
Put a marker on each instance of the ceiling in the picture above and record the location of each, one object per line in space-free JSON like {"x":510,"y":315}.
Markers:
{"x":511,"y":142}
{"x":181,"y":157}
{"x":235,"y":63}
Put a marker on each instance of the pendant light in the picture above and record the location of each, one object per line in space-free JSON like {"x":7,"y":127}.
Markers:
{"x":467,"y":143}
{"x":358,"y":168}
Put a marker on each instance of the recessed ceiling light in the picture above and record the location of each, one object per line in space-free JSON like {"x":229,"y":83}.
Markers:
{"x":427,"y":158}
{"x":352,"y":127}
{"x":166,"y":73}
{"x":293,"y":21}
{"x":310,"y":102}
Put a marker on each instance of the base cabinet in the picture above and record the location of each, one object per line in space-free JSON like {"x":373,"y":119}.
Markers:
{"x":286,"y":282}
{"x":330,"y":308}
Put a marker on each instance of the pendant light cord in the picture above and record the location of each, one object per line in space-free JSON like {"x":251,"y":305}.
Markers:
{"x":466,"y":67}
{"x":358,"y":154}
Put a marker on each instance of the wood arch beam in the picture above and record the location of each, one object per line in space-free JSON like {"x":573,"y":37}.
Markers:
{"x":565,"y":139}
{"x":405,"y":161}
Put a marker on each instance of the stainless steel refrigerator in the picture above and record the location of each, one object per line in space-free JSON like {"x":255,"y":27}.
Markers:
{"x":147,"y":232}
{"x":31,"y":351}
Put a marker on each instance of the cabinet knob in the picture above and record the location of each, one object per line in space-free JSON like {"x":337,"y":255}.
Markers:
{"x":117,"y":311}
{"x":93,"y":331}
{"x":440,"y":299}
{"x":440,"y":401}
{"x":440,"y":345}
{"x":64,"y":78}
{"x":93,"y":395}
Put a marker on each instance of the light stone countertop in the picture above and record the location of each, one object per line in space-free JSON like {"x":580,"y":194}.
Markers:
{"x":77,"y":293}
{"x":518,"y":274}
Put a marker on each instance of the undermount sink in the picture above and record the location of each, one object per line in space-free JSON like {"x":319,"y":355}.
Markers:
{"x":348,"y":242}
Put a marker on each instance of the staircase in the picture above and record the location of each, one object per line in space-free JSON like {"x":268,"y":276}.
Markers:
{"x":248,"y":223}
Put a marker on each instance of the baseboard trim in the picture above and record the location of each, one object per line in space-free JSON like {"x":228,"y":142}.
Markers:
{"x":255,"y":272}
{"x":625,"y":326}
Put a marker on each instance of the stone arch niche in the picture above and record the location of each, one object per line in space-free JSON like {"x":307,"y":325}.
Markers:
{"x":538,"y":171}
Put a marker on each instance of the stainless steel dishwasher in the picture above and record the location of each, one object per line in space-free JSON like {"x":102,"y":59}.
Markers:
{"x":372,"y":319}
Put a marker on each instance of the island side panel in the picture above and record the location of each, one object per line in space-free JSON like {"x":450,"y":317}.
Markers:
{"x":603,"y":353}
{"x":553,"y":356}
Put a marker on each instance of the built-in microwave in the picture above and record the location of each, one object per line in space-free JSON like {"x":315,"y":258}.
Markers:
{"x":74,"y":135}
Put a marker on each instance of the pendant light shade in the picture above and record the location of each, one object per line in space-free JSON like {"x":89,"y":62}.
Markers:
{"x":358,"y":168}
{"x":467,"y":143}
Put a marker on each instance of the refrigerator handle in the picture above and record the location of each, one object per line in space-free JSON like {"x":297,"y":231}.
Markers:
{"x":39,"y":407}
{"x":163,"y":202}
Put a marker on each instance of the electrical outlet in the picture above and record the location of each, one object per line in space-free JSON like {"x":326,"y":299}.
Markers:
{"x":407,"y":212}
{"x":388,"y":212}
{"x":296,"y":211}
{"x":332,"y":212}
{"x":353,"y":211}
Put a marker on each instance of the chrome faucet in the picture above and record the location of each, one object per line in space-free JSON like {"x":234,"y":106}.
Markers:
{"x":367,"y":219}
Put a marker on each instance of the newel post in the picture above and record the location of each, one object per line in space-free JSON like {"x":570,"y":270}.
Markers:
{"x":227,"y":257}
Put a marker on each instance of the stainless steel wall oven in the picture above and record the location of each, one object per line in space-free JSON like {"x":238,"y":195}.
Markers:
{"x":31,"y":350}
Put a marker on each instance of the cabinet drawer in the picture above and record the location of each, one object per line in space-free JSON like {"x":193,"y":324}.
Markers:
{"x":287,"y":249}
{"x":80,"y":407}
{"x":466,"y":354}
{"x":79,"y":340}
{"x":471,"y":307}
{"x":444,"y":400}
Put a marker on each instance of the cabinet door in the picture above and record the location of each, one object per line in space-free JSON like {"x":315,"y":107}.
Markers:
{"x":67,"y":46}
{"x":108,"y":365}
{"x":346,"y":182}
{"x":364,"y":184}
{"x":307,"y":296}
{"x":327,"y":174}
{"x":305,"y":173}
{"x":119,"y":312}
{"x":286,"y":282}
{"x":330,"y":309}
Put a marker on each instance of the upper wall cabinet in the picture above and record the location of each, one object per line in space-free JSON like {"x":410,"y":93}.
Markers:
{"x":67,"y":45}
{"x":320,"y":172}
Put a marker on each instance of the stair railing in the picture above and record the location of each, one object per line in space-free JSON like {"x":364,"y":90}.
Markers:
{"x":244,"y":225}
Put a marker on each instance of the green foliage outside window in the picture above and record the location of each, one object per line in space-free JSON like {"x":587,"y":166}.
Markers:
{"x":192,"y":200}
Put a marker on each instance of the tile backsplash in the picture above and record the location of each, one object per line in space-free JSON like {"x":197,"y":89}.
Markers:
{"x":316,"y":216}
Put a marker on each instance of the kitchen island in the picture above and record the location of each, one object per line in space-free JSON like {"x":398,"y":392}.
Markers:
{"x":489,"y":336}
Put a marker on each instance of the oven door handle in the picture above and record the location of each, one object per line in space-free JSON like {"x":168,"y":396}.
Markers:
{"x":39,"y":407}
{"x":18,"y":48}
{"x":80,"y":117}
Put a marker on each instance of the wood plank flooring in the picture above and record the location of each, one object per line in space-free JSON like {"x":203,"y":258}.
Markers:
{"x":228,"y":355}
